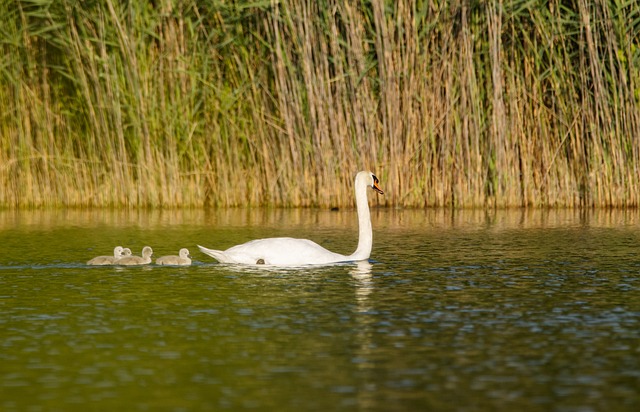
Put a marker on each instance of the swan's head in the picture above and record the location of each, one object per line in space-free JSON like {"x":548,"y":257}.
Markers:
{"x":147,"y":251}
{"x":370,"y":180}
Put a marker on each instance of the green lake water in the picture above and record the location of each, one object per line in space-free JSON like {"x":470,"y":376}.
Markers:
{"x":466,"y":311}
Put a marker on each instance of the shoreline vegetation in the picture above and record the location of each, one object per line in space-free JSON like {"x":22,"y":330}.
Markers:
{"x":184,"y":103}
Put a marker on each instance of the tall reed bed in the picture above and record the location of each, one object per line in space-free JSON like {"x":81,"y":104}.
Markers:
{"x":189,"y":103}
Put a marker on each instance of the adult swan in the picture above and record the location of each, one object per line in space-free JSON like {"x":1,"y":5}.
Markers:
{"x":286,"y":251}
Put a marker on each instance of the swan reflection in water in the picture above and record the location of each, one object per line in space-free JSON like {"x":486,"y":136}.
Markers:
{"x":361,"y":274}
{"x":365,"y":319}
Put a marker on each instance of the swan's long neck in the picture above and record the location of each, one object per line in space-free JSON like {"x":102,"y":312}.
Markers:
{"x":365,"y":234}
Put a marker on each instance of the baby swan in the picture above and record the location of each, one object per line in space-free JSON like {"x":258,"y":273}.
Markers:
{"x":107,"y":260}
{"x":137,"y":260}
{"x":183,"y":260}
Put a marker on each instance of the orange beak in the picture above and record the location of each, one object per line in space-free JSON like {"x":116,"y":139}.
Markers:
{"x":376,"y":187}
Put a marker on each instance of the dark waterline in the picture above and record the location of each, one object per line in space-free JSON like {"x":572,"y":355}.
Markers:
{"x":510,"y":310}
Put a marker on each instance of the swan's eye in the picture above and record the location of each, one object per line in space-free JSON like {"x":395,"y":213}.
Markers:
{"x":375,"y":179}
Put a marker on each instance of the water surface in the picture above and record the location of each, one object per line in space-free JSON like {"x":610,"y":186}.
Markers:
{"x":509,"y":310}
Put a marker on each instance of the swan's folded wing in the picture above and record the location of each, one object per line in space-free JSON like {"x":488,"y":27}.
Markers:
{"x":281,"y":251}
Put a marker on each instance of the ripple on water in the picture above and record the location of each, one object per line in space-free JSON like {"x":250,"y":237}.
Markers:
{"x":461,"y":311}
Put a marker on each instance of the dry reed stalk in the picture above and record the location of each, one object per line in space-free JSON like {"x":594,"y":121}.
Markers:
{"x":207,"y":103}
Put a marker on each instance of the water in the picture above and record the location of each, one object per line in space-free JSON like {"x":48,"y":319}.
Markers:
{"x":468,"y":311}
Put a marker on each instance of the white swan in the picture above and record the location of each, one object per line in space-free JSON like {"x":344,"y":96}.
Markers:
{"x":286,"y":251}
{"x":137,"y":260}
{"x":107,"y":260}
{"x":182,"y":260}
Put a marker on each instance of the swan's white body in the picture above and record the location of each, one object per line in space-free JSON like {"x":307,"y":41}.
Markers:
{"x":182,"y":260}
{"x":137,"y":260}
{"x":286,"y":251}
{"x":107,"y":260}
